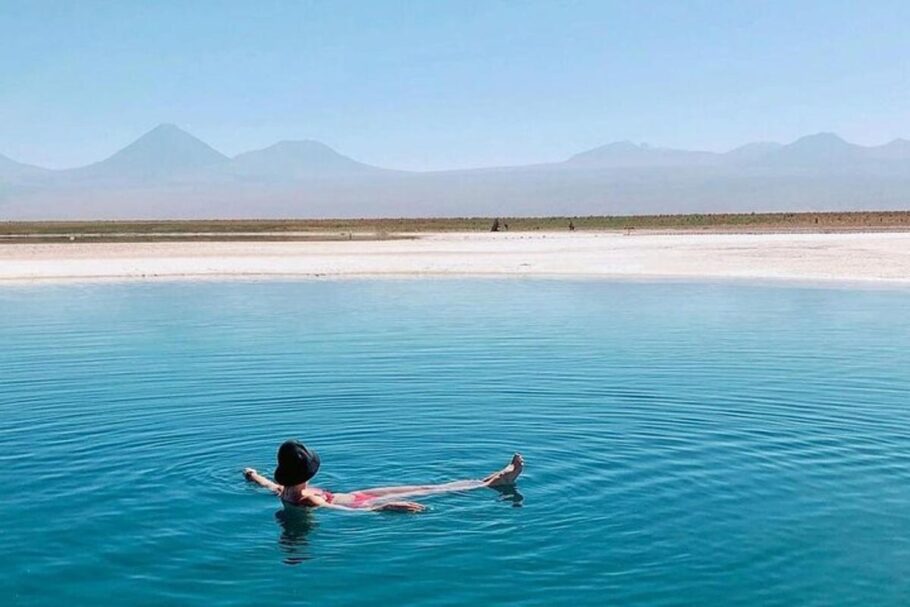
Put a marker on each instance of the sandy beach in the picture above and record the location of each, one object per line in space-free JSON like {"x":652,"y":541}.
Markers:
{"x":845,"y":257}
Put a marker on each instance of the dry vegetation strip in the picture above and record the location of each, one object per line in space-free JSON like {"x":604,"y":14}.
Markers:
{"x":362,"y":229}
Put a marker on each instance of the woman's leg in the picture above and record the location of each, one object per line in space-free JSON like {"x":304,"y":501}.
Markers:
{"x":505,"y":476}
{"x":423,"y":489}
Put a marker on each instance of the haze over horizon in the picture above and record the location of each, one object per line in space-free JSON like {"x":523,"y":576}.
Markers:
{"x":159,"y":143}
{"x":170,"y":173}
{"x":448,"y":86}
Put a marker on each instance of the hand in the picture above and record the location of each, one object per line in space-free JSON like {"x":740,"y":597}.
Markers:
{"x":248,"y":473}
{"x":401,"y":507}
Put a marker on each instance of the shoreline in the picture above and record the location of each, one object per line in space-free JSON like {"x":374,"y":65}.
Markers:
{"x":861,"y":258}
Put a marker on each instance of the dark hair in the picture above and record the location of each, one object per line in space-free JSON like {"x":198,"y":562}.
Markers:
{"x":296,"y":463}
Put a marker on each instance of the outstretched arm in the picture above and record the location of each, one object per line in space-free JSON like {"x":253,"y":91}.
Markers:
{"x":254,"y":477}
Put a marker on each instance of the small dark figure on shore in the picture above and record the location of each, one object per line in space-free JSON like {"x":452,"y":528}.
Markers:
{"x":571,"y":226}
{"x":495,"y":227}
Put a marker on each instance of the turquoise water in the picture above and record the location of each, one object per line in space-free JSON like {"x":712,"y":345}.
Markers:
{"x":685,"y":443}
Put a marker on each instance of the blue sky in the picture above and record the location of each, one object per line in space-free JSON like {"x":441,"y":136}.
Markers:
{"x":432,"y":85}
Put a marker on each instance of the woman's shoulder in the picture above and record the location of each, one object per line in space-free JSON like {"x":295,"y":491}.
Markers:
{"x":303,"y":497}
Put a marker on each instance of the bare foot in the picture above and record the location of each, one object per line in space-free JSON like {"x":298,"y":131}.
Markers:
{"x":507,"y":475}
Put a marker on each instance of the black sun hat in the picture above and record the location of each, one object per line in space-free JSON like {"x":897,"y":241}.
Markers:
{"x":296,"y":463}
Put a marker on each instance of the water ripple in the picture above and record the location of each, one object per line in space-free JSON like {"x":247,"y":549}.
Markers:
{"x":686,"y":444}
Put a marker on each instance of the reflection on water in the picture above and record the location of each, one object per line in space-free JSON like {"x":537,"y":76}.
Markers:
{"x":296,"y":524}
{"x":510,"y":493}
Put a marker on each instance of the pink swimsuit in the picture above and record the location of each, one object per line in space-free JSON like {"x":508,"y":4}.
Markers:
{"x":360,"y":498}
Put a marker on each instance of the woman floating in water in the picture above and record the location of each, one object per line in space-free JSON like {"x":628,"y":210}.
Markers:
{"x":297,"y":465}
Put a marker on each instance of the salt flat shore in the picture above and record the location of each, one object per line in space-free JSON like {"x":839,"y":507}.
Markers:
{"x":848,"y":257}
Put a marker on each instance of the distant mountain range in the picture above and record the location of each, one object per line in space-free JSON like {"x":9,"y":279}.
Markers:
{"x":821,"y":151}
{"x":170,"y":173}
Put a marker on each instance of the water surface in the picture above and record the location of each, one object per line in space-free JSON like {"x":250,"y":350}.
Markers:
{"x":685,"y":443}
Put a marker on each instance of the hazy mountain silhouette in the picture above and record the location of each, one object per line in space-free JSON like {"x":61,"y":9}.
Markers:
{"x":753,"y":152}
{"x":170,"y":173}
{"x":163,"y":152}
{"x":10,"y":169}
{"x":628,"y":154}
{"x":821,"y":150}
{"x":289,"y":160}
{"x":897,"y":149}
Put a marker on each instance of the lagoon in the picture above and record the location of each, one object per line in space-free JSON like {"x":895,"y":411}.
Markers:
{"x":685,"y":443}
